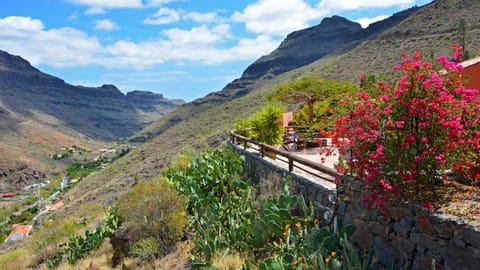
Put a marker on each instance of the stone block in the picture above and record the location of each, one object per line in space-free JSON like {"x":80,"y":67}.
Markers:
{"x":396,"y":213}
{"x":458,"y":240}
{"x":383,"y":251}
{"x":424,"y":227}
{"x":459,"y":258}
{"x":425,"y":262}
{"x":424,"y":241}
{"x":469,"y":235}
{"x":403,"y":247}
{"x":378,"y":229}
{"x":361,"y":236}
{"x":401,"y":230}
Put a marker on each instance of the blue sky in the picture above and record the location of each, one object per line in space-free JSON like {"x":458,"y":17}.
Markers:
{"x":180,"y":48}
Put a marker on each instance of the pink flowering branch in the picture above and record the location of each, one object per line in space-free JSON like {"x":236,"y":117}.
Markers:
{"x":401,"y":138}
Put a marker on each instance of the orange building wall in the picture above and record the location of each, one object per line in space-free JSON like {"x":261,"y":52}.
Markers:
{"x":473,"y":73}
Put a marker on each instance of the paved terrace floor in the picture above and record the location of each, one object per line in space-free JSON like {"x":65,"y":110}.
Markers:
{"x":312,"y":154}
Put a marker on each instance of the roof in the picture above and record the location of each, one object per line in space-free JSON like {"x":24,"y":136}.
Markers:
{"x":470,"y":62}
{"x":57,"y":205}
{"x":18,"y":232}
{"x":7,"y":194}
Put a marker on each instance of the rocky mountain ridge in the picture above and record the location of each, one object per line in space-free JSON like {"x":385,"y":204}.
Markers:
{"x":103,"y":113}
{"x":333,"y":36}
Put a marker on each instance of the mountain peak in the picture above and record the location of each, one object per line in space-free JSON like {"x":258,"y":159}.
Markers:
{"x":109,"y":87}
{"x":13,"y":62}
{"x":335,"y":21}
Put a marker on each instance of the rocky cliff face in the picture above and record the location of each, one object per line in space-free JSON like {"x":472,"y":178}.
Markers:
{"x":103,"y":113}
{"x":334,"y":34}
{"x":151,"y":106}
{"x":305,"y":46}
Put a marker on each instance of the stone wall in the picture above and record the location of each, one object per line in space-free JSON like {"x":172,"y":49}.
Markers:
{"x":269,"y":175}
{"x":404,"y":241}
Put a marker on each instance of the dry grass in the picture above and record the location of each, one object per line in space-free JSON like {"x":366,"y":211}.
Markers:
{"x":97,"y":260}
{"x":228,"y":261}
{"x":18,"y":259}
{"x":178,"y":259}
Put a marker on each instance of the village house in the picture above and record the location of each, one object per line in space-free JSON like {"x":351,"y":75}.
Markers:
{"x":471,"y":69}
{"x":19,"y":231}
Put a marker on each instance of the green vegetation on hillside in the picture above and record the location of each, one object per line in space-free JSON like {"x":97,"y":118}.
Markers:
{"x":230,"y":221}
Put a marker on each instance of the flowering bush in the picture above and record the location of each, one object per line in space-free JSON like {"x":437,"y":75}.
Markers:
{"x":402,"y":139}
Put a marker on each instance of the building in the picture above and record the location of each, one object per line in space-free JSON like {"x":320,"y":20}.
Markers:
{"x":471,"y":69}
{"x":7,"y":195}
{"x":64,"y":183}
{"x":19,"y":231}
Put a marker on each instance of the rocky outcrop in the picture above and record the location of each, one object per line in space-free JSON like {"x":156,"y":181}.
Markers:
{"x":16,"y":177}
{"x":148,"y":101}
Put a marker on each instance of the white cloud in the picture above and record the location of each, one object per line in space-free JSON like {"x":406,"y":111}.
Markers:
{"x":246,"y":49}
{"x":273,"y":17}
{"x":61,"y":47}
{"x":19,"y":26}
{"x":197,"y":45}
{"x":105,"y":24}
{"x":69,"y":47}
{"x":156,"y":3}
{"x":163,"y":16}
{"x":109,"y":3}
{"x":337,"y":5}
{"x":196,"y":35}
{"x":201,"y":17}
{"x":223,"y":30}
{"x":166,"y":15}
{"x":73,"y":16}
{"x":95,"y":10}
{"x":365,"y":22}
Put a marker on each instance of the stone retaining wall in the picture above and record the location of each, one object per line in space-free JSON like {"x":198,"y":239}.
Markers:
{"x":403,"y":241}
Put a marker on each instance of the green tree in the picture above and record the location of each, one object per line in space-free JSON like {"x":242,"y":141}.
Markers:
{"x":463,"y":36}
{"x":310,"y":91}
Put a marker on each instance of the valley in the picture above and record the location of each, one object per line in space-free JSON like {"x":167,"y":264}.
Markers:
{"x":113,"y":145}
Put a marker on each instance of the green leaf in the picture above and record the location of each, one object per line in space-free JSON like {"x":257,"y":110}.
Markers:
{"x":348,"y":229}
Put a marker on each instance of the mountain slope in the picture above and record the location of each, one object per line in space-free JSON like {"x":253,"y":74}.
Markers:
{"x":432,"y":28}
{"x":40,"y":114}
{"x":333,"y":36}
{"x":205,"y":122}
{"x":102,"y":113}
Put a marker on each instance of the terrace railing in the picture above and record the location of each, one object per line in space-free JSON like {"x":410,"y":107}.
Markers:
{"x":293,"y":161}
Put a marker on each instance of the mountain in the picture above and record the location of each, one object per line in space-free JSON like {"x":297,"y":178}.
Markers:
{"x":151,"y":106}
{"x":333,"y":36}
{"x":103,"y":113}
{"x":205,"y":122}
{"x":40,"y":114}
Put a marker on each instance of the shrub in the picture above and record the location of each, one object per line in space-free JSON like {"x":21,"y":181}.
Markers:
{"x":402,"y":137}
{"x":265,"y":125}
{"x":145,"y":250}
{"x":17,"y":259}
{"x":154,"y":210}
{"x":231,"y":223}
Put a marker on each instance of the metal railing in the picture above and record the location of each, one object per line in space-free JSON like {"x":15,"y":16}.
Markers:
{"x":293,"y":161}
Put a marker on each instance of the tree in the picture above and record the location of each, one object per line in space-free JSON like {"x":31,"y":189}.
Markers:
{"x":310,"y":91}
{"x":463,"y":36}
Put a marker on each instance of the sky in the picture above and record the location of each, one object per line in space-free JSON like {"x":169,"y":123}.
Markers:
{"x":180,"y":48}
